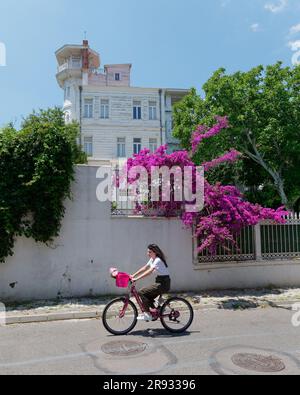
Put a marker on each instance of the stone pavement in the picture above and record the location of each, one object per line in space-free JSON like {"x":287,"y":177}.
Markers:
{"x":64,"y":309}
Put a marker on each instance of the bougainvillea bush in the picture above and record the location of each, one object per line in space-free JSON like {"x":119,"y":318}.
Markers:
{"x":225,"y":212}
{"x":146,"y":159}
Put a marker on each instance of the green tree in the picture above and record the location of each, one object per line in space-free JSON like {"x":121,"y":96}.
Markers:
{"x":36,"y":167}
{"x":263,"y":107}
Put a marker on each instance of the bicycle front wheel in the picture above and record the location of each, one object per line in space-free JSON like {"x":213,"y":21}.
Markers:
{"x":177,"y":315}
{"x":120,"y":317}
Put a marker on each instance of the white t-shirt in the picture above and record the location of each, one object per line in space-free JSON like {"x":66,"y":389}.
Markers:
{"x":159,"y":267}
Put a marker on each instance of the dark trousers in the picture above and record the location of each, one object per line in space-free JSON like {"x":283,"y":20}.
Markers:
{"x":149,"y":294}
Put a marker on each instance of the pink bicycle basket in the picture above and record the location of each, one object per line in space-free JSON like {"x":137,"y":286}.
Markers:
{"x":123,"y":280}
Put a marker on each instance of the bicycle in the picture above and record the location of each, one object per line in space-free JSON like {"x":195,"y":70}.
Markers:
{"x":120,"y":316}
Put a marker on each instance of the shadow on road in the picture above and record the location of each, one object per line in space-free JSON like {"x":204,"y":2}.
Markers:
{"x":160,"y":333}
{"x":244,"y":304}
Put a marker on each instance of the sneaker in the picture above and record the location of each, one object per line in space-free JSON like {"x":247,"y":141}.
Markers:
{"x":148,"y":317}
{"x":145,"y":317}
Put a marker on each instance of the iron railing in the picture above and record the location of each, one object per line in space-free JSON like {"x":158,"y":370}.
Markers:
{"x":243,"y":250}
{"x":281,"y":241}
{"x":266,"y":241}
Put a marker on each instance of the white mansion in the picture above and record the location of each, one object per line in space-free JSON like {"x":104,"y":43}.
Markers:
{"x":116,"y":120}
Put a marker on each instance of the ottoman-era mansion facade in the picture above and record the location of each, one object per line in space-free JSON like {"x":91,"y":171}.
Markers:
{"x":116,"y":120}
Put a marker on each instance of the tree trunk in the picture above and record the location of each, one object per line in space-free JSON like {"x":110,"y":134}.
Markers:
{"x":278,"y":180}
{"x":280,"y":187}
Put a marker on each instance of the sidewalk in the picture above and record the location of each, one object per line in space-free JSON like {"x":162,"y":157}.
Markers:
{"x":90,"y":308}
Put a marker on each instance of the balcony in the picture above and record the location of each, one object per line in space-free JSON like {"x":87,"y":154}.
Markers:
{"x":69,"y":66}
{"x":71,"y":69}
{"x":63,"y":67}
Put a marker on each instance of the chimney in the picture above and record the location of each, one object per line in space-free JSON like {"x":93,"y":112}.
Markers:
{"x":85,"y":55}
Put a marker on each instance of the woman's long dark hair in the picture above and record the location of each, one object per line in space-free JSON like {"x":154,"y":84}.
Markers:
{"x":158,"y":252}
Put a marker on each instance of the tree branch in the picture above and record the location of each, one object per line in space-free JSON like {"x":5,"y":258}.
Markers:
{"x":276,"y":175}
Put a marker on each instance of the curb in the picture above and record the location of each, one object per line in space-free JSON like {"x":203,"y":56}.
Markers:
{"x":29,"y":319}
{"x":97,"y":314}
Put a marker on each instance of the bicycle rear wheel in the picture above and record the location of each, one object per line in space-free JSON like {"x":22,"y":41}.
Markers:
{"x":120,"y":317}
{"x":177,"y":315}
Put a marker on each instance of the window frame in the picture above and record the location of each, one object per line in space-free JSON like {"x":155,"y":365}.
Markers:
{"x":121,"y":147}
{"x":106,"y":109}
{"x":88,"y":109}
{"x":137,"y":110}
{"x":153,"y":144}
{"x":89,"y":153}
{"x":76,"y":61}
{"x":152,"y":111}
{"x":137,"y":143}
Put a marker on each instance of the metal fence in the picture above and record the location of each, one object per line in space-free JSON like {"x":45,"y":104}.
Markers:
{"x":281,"y":241}
{"x":244,"y":250}
{"x":266,"y":241}
{"x":122,"y":207}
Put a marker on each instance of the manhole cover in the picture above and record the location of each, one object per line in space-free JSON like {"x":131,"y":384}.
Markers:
{"x":124,"y":348}
{"x":259,"y":363}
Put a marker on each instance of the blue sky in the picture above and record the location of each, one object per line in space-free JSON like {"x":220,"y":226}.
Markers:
{"x":171,"y":43}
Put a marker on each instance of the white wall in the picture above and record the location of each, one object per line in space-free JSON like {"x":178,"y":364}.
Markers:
{"x":91,"y":242}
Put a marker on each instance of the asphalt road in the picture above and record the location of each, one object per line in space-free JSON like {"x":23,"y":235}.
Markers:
{"x":219,"y":342}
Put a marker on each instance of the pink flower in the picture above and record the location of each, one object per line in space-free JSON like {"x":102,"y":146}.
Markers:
{"x":231,"y":156}
{"x":202,"y":132}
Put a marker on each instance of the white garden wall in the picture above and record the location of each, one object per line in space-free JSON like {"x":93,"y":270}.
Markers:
{"x":91,"y":242}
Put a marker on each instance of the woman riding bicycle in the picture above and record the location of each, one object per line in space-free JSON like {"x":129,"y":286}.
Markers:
{"x":159,"y":266}
{"x":121,"y":315}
